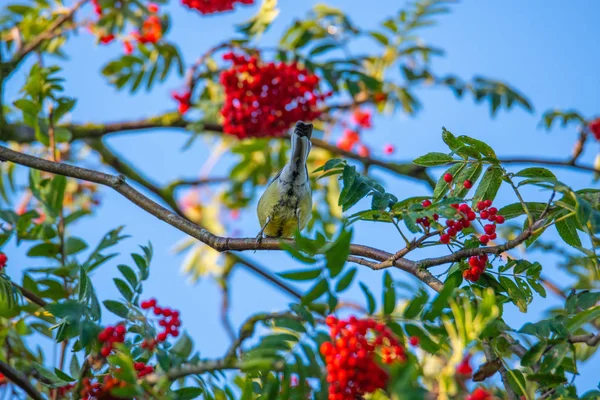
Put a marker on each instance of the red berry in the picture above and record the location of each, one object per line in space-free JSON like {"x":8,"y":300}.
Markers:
{"x":452,"y":231}
{"x":493,"y":236}
{"x":3,"y":260}
{"x":450,"y":223}
{"x":484,"y":239}
{"x":487,"y":203}
{"x":145,"y":305}
{"x":493,"y":210}
{"x":481,"y":205}
{"x":389,"y":149}
{"x":484,"y":215}
{"x":489,"y":229}
{"x":468,"y":184}
{"x":105,"y":351}
{"x":166,"y":312}
{"x":436,"y":217}
{"x":161,"y":337}
{"x":174,"y":332}
{"x":120,"y":330}
{"x":152,"y":302}
{"x":214,"y":6}
{"x":445,"y":239}
{"x":331,"y":320}
{"x":448,"y":177}
{"x":426,"y":203}
{"x":153,"y":8}
{"x":363,"y":151}
{"x":499,"y":219}
{"x":471,"y":216}
{"x":464,"y":208}
{"x":157,"y":310}
{"x":103,"y":336}
{"x":139,"y":366}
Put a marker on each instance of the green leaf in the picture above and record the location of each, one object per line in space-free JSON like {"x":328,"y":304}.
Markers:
{"x":441,"y":188}
{"x":69,"y":310}
{"x":129,"y":274}
{"x":389,"y":294}
{"x":415,"y":307}
{"x":74,"y":245}
{"x":547,"y":380}
{"x":535,"y":172}
{"x":433,"y":159}
{"x":116,"y":308}
{"x":441,"y":300}
{"x":344,"y":282}
{"x":370,"y":298}
{"x":124,"y":289}
{"x":515,"y":293}
{"x":582,"y":318}
{"x":451,"y":140}
{"x":315,"y":292}
{"x":322,"y":49}
{"x":554,"y":357}
{"x":425,"y":341}
{"x":380,"y":37}
{"x":534,"y":354}
{"x":516,"y":209}
{"x":188,"y":393}
{"x":478,"y":145}
{"x":567,"y":229}
{"x":489,"y":185}
{"x":517,"y":381}
{"x":49,"y":250}
{"x":301,"y":275}
{"x":337,"y":254}
{"x":183,"y":347}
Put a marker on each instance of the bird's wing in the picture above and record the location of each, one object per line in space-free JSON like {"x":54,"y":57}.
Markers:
{"x":276,"y":176}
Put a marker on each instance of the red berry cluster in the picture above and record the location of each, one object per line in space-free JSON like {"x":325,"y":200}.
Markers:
{"x":264,"y":99}
{"x":183,"y":100}
{"x":3,"y":260}
{"x":455,"y":226}
{"x":487,"y":212}
{"x":97,"y":390}
{"x":480,"y":394}
{"x":170,"y":322}
{"x":595,"y":128}
{"x":97,"y":8}
{"x":213,"y":6}
{"x":351,"y":137}
{"x":477,"y":266}
{"x":350,"y":357}
{"x":151,"y":30}
{"x":464,"y":368}
{"x":143,"y":369}
{"x":63,"y":390}
{"x":109,"y":336}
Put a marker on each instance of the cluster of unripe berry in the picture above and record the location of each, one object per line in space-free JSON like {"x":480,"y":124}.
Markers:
{"x":352,"y":369}
{"x":264,"y":99}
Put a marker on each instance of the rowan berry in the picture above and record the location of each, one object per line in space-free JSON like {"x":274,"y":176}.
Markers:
{"x":499,"y":219}
{"x":213,"y":6}
{"x":3,"y":260}
{"x":389,"y":149}
{"x":362,"y":118}
{"x":489,"y":229}
{"x":484,"y":239}
{"x":480,"y":394}
{"x":445,"y":239}
{"x":468,"y":184}
{"x":448,"y":177}
{"x":426,"y":203}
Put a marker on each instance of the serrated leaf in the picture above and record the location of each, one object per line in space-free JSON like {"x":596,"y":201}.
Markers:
{"x":567,"y":229}
{"x":433,"y":159}
{"x":478,"y":145}
{"x":489,"y":185}
{"x":535,"y":172}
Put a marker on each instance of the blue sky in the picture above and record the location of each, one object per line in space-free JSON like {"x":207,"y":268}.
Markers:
{"x":546,"y":49}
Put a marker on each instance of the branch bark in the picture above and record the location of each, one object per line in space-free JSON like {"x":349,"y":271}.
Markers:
{"x":218,"y":243}
{"x":20,"y":380}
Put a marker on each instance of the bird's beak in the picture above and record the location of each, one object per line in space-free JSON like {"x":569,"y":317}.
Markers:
{"x":301,"y":142}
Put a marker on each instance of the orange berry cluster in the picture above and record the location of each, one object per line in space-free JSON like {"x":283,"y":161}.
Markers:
{"x":109,"y":336}
{"x":97,"y":390}
{"x":352,"y":370}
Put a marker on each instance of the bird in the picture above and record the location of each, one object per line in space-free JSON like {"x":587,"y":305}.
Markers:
{"x":286,"y":203}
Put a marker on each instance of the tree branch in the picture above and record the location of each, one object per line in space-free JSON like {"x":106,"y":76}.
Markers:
{"x":22,"y":134}
{"x":490,"y":356}
{"x":20,"y":380}
{"x":545,"y":161}
{"x":218,"y":243}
